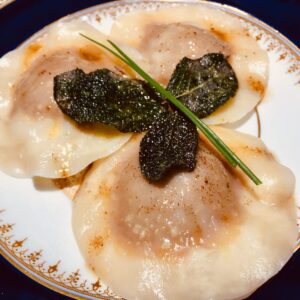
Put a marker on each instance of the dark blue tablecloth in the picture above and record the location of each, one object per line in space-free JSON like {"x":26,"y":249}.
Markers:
{"x":24,"y":17}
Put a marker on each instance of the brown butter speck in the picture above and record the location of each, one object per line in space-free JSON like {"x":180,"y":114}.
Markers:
{"x":30,"y":51}
{"x":256,"y":85}
{"x":220,"y":34}
{"x":90,"y":53}
{"x":97,"y":242}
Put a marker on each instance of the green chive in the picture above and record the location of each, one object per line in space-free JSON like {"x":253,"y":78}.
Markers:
{"x":230,"y":156}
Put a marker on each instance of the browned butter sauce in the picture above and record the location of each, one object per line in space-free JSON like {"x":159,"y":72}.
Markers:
{"x":34,"y":92}
{"x":184,"y":211}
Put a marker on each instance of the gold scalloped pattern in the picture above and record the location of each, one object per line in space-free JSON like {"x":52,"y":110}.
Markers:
{"x":272,"y":44}
{"x":33,"y":261}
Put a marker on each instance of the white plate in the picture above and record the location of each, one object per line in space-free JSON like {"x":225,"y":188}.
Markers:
{"x":35,"y":222}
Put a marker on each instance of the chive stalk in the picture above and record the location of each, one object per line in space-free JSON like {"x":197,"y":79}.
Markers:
{"x":227,"y":153}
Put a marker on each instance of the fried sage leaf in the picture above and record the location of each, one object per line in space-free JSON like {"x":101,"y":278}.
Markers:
{"x":170,"y":143}
{"x":203,"y":84}
{"x":105,"y":97}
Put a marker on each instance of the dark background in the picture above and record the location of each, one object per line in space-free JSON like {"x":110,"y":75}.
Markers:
{"x":22,"y":18}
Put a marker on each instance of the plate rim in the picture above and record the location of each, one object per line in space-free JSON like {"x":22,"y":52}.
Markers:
{"x":224,"y":7}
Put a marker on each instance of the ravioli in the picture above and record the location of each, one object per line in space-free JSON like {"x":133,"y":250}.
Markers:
{"x":165,"y":36}
{"x":36,"y":138}
{"x":206,"y":234}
